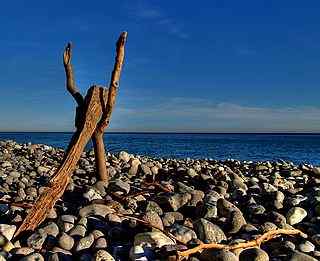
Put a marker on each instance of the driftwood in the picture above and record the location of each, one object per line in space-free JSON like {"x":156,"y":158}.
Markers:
{"x":253,"y":243}
{"x":92,"y":117}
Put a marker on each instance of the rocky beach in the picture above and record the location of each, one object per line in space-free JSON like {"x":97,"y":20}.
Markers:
{"x":154,"y":208}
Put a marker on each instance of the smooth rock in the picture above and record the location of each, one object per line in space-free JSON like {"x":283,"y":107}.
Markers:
{"x":66,"y":242}
{"x":208,"y":232}
{"x":295,"y":215}
{"x":7,"y":230}
{"x":85,"y":242}
{"x":37,"y":239}
{"x":103,"y":255}
{"x":152,"y":239}
{"x":253,"y":254}
{"x":217,"y":255}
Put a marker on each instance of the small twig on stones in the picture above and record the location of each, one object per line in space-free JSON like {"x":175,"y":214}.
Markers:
{"x":253,"y":243}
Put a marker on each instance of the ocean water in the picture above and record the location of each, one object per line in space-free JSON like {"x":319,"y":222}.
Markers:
{"x":298,"y":148}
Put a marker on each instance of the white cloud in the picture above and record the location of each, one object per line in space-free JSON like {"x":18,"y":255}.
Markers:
{"x":188,"y":114}
{"x":157,"y":16}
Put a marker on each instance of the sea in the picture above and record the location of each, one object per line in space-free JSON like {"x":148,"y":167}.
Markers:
{"x":297,"y":148}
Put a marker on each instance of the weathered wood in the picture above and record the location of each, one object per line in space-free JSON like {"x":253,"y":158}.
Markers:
{"x":71,"y":86}
{"x":109,"y":102}
{"x":60,"y":180}
{"x":114,"y":84}
{"x":93,"y":116}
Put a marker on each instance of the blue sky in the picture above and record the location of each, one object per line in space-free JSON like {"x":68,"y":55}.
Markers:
{"x":204,"y":66}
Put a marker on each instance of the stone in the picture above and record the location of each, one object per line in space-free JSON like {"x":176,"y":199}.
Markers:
{"x":153,"y":219}
{"x":100,"y":243}
{"x":178,"y":200}
{"x":298,"y":256}
{"x":253,"y":254}
{"x":217,"y":255}
{"x":306,"y":247}
{"x":316,"y":171}
{"x":120,"y":185}
{"x":78,"y":230}
{"x":33,"y":257}
{"x":42,"y":169}
{"x":51,"y":229}
{"x":103,"y":255}
{"x":123,"y":155}
{"x":153,"y":206}
{"x":295,"y":215}
{"x":208,"y":232}
{"x":152,"y":239}
{"x":170,"y":218}
{"x":95,"y":210}
{"x":6,"y":164}
{"x":145,"y":169}
{"x":138,"y":253}
{"x":237,"y":221}
{"x":14,"y":174}
{"x":92,"y":194}
{"x":85,"y":242}
{"x":22,"y":251}
{"x":7,"y":230}
{"x":135,"y":163}
{"x":66,"y":242}
{"x":183,"y":233}
{"x":37,"y":239}
{"x":192,"y":173}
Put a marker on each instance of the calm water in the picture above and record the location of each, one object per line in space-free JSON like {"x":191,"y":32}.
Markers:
{"x":294,"y":147}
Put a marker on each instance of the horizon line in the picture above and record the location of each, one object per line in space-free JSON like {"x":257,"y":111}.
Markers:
{"x":178,"y":132}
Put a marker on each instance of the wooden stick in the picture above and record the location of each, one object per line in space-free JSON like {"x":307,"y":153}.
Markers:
{"x":109,"y":101}
{"x":253,"y":243}
{"x":60,"y":180}
{"x":70,"y":84}
{"x":114,"y":83}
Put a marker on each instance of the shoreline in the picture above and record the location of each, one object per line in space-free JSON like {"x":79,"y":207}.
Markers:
{"x":194,"y":200}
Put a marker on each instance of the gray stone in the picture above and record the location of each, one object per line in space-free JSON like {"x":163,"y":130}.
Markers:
{"x":78,"y":230}
{"x":217,"y":255}
{"x":92,"y":194}
{"x":208,"y":232}
{"x":22,"y":251}
{"x":100,"y":243}
{"x":183,"y":233}
{"x":33,"y":257}
{"x":123,"y":155}
{"x":103,"y":255}
{"x":85,"y":242}
{"x":192,"y":173}
{"x":120,"y":185}
{"x":37,"y":239}
{"x":152,"y":239}
{"x":51,"y":229}
{"x":295,"y":215}
{"x":178,"y":200}
{"x":298,"y":256}
{"x":7,"y":230}
{"x":253,"y":254}
{"x":153,"y":206}
{"x":306,"y":247}
{"x":95,"y":210}
{"x":153,"y":219}
{"x":135,"y":163}
{"x":66,"y":242}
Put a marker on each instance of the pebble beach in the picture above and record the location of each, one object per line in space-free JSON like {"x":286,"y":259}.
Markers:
{"x":154,"y":207}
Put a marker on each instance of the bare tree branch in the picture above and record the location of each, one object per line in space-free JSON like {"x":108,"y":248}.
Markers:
{"x":70,"y":84}
{"x":253,"y":243}
{"x":114,"y":84}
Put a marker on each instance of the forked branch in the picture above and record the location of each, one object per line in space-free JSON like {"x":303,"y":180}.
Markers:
{"x":70,"y":84}
{"x":253,"y":243}
{"x":114,"y":83}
